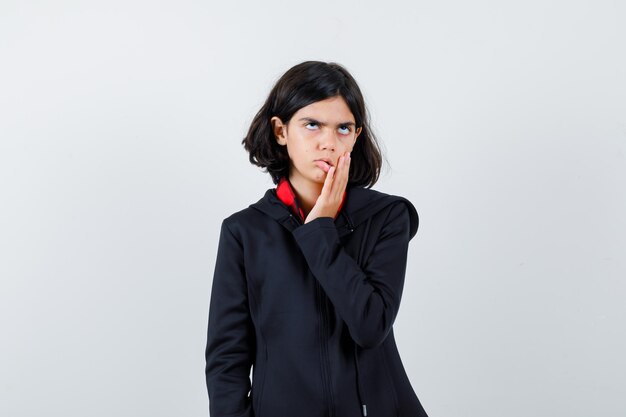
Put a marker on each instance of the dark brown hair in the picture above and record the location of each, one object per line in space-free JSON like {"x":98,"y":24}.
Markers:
{"x":301,"y":85}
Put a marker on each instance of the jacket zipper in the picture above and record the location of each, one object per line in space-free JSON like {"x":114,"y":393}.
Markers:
{"x":326,"y":381}
{"x":359,"y":389}
{"x":323,"y":313}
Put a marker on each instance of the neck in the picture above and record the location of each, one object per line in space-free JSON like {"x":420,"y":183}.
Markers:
{"x":306,"y":192}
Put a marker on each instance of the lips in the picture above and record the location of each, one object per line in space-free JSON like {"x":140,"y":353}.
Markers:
{"x":323,"y":164}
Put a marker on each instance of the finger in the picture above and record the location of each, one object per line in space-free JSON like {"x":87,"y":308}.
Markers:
{"x":328,"y":182}
{"x":337,"y":170}
{"x":344,"y":169}
{"x":341,"y":179}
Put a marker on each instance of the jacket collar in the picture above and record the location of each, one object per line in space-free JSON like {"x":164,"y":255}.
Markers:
{"x":287,"y":195}
{"x":360,"y":204}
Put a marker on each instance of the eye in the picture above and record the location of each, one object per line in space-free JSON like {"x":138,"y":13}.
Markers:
{"x":311,"y":125}
{"x":344,"y":130}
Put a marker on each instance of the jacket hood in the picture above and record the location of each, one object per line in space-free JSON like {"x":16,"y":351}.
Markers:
{"x":361,"y":203}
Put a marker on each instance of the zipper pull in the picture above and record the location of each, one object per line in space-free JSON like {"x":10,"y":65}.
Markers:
{"x":364,"y":410}
{"x":297,"y":222}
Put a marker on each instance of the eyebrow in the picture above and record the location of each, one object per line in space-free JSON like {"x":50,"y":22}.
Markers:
{"x":311,"y":120}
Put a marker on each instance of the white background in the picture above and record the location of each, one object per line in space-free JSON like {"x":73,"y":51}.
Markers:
{"x":120,"y":127}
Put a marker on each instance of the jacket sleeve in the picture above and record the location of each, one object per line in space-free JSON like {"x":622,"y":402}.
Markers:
{"x":366,"y":299}
{"x":230,"y":338}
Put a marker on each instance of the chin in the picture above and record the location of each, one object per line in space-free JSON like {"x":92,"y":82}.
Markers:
{"x":319,"y":177}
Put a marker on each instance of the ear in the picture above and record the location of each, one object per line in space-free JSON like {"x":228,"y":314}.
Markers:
{"x":357,"y":133}
{"x":279,"y":129}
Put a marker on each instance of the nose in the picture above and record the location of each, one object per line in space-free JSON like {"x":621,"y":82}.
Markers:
{"x":328,"y":140}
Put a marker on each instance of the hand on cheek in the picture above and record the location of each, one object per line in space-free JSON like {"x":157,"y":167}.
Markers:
{"x":328,"y":202}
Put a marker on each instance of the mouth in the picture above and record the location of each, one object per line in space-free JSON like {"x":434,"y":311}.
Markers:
{"x":327,"y":160}
{"x":324,"y":164}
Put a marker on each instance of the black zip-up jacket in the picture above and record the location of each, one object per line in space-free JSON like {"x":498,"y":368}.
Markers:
{"x":310,"y":307}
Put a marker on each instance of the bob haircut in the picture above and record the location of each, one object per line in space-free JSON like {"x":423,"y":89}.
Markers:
{"x":301,"y":85}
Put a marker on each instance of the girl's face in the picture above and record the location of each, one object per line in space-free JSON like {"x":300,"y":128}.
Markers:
{"x":315,"y":137}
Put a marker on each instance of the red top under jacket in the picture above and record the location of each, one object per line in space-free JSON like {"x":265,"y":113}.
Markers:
{"x":285,"y":193}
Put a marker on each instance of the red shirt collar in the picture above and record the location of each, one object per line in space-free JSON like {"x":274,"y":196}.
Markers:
{"x":286,"y":194}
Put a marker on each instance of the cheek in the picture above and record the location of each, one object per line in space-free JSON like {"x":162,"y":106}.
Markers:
{"x":346,"y":144}
{"x":300,"y":153}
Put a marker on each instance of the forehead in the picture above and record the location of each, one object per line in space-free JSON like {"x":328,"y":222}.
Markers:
{"x":332,"y":109}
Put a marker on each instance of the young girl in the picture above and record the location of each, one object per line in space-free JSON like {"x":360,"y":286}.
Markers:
{"x":308,"y":280}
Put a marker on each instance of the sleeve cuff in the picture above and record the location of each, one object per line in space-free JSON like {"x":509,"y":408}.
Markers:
{"x":314,"y":225}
